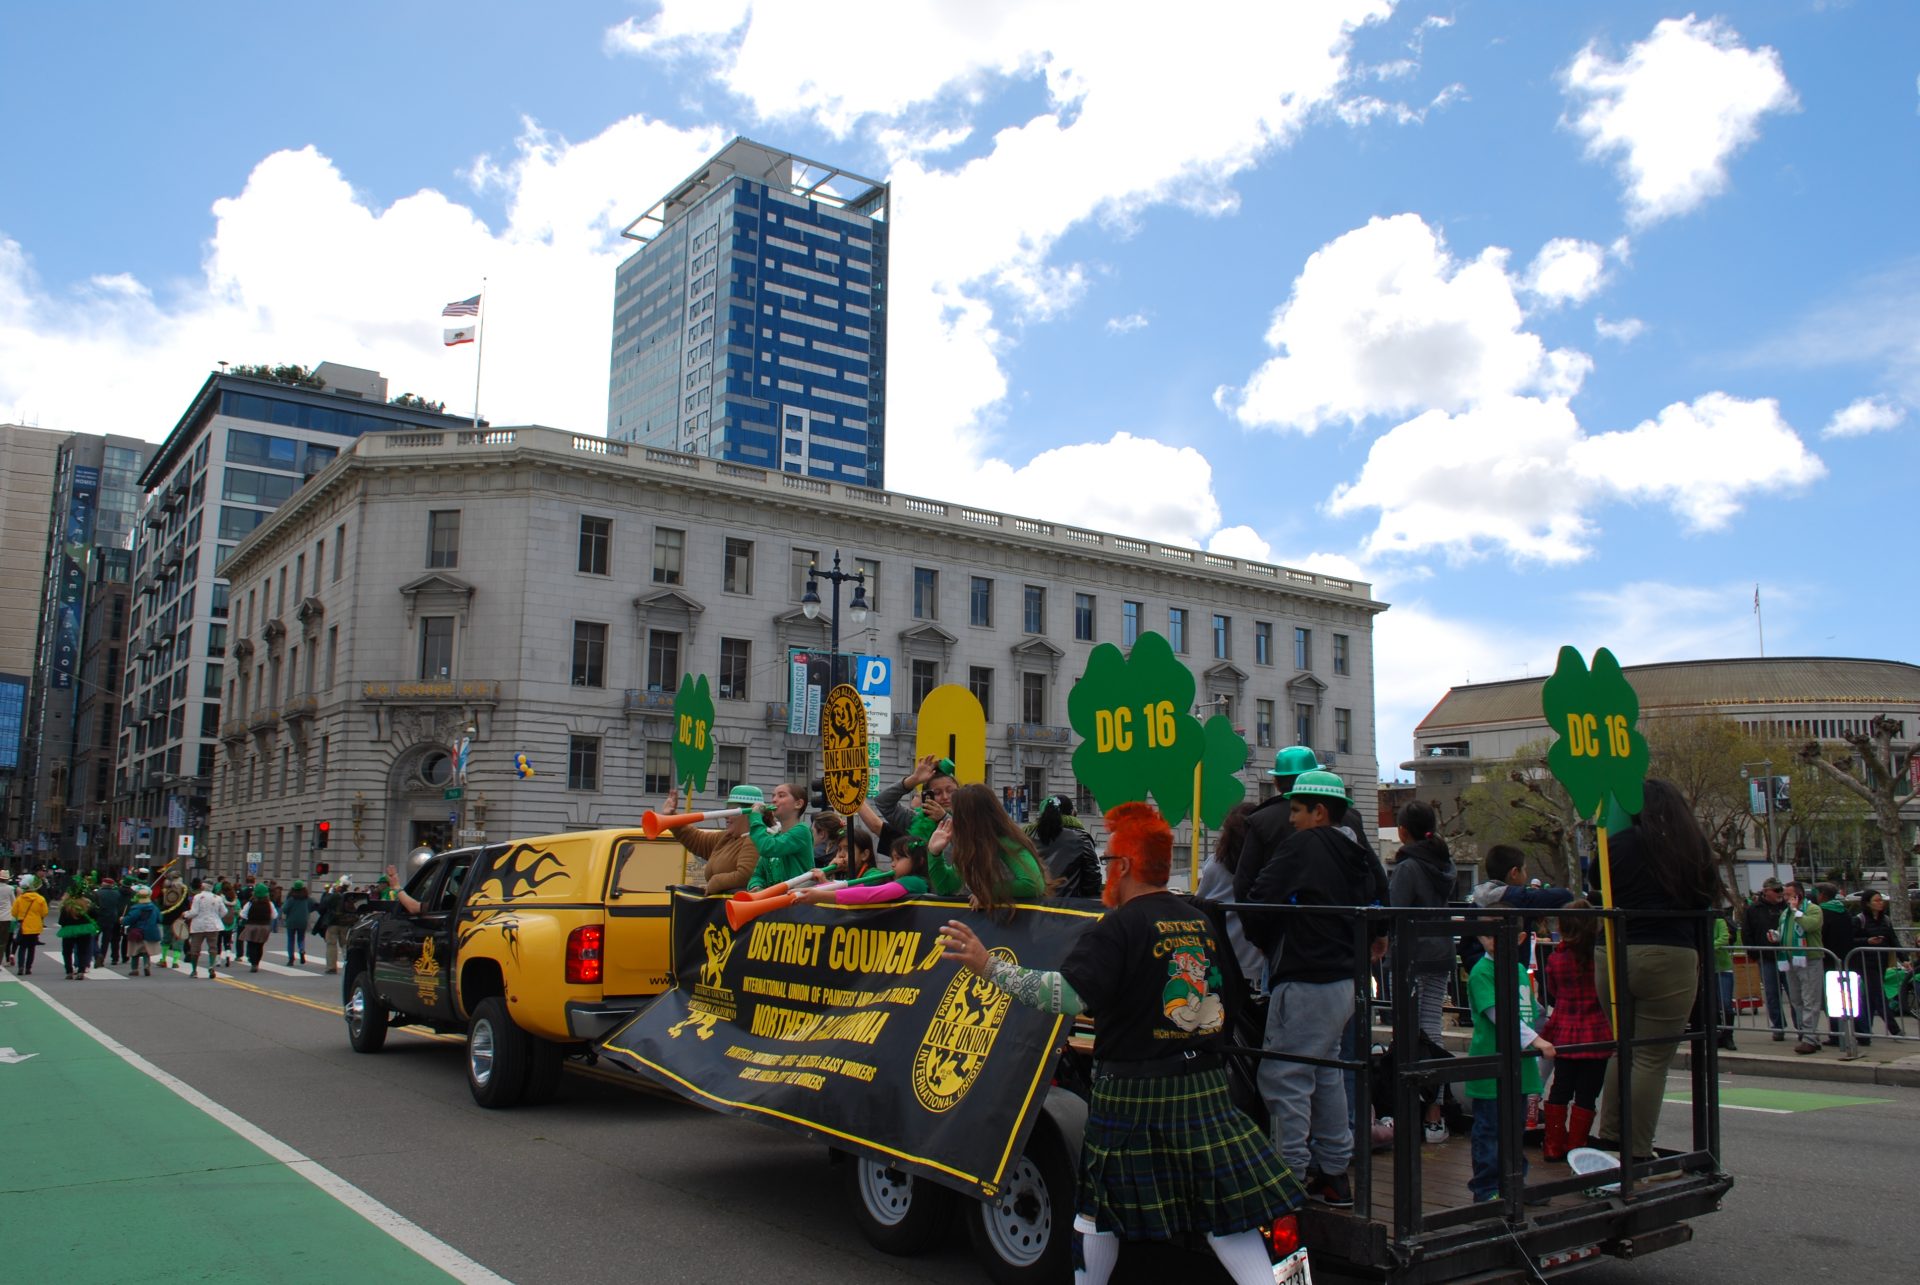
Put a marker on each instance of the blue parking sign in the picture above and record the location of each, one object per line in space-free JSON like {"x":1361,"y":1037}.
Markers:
{"x":873,"y":675}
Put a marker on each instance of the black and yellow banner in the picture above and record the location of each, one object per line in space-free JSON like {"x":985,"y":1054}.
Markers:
{"x":846,"y":1024}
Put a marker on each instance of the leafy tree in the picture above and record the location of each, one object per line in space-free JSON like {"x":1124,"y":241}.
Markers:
{"x":1702,"y":755}
{"x":1518,"y":803}
{"x":412,"y":402}
{"x":297,"y":376}
{"x":1874,"y":778}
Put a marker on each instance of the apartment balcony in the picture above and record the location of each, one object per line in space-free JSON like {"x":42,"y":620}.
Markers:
{"x":170,"y":556}
{"x":645,"y":700}
{"x":263,"y":719}
{"x":1044,"y":735}
{"x":777,"y":714}
{"x":299,"y":710}
{"x":273,"y":631}
{"x":234,"y":730}
{"x":242,"y":648}
{"x":434,"y":691}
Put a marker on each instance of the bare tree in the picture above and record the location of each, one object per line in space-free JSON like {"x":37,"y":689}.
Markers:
{"x":1875,"y":782}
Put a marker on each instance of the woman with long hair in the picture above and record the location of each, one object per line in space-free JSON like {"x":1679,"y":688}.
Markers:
{"x":980,"y":848}
{"x":1872,"y":928}
{"x":1660,"y":862}
{"x":1216,"y":884}
{"x":1065,"y":848}
{"x":257,"y":921}
{"x":1423,"y":876}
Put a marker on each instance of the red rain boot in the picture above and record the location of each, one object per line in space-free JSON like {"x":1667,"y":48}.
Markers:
{"x":1579,"y":1125}
{"x":1555,"y":1147}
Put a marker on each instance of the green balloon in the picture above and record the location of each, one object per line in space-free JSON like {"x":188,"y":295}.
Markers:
{"x":1221,"y":789}
{"x":692,"y":732}
{"x":1138,"y":739}
{"x":1599,"y":751}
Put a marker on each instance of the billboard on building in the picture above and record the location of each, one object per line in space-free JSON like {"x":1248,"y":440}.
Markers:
{"x":77,"y":538}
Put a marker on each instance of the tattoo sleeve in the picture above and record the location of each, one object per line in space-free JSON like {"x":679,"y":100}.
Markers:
{"x":1048,"y":992}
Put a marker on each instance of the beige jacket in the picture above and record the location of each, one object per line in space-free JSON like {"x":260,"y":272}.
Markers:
{"x":730,"y":858}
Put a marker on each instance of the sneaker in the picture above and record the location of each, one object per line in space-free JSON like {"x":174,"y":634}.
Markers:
{"x":1330,"y":1189}
{"x":1436,"y":1132}
{"x":1806,"y":1046}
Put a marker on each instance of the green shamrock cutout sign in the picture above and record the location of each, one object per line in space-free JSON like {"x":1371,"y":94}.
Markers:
{"x":1221,"y":788}
{"x":1599,"y":751}
{"x":692,"y":732}
{"x":1138,"y":740}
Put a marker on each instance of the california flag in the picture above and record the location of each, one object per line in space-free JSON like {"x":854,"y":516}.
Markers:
{"x":464,"y":335}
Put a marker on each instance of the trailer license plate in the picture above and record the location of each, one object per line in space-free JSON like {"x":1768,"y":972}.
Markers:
{"x":1293,"y":1270}
{"x":1550,"y":1261}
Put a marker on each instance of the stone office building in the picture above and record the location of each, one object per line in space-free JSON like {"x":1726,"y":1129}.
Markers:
{"x":547,"y":591}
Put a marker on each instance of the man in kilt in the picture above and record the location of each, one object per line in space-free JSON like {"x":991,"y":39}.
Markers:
{"x":1166,"y":1151}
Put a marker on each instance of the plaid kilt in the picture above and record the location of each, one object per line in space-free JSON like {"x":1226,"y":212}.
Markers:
{"x":1173,"y":1154}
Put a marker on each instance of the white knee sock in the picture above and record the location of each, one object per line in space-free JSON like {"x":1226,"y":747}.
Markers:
{"x":1244,"y":1255}
{"x":1099,"y":1251}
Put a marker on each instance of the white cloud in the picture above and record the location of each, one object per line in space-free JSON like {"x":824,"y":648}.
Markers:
{"x":1103,"y":485}
{"x":1383,"y":320}
{"x":1520,"y":474}
{"x":1675,"y":110}
{"x":1240,"y":542}
{"x":1862,"y":416}
{"x":1128,"y":324}
{"x":1566,"y":271}
{"x":300,"y":268}
{"x":1872,"y":321}
{"x":1623,"y":331}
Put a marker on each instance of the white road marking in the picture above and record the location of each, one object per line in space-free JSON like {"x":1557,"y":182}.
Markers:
{"x":408,"y":1233}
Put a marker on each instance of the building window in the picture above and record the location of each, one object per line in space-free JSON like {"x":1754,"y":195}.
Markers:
{"x":1222,"y":637}
{"x":736,"y":662}
{"x":1340,"y":665}
{"x":339,"y":550}
{"x":1343,"y":731}
{"x":799,"y":767}
{"x":1262,"y":642}
{"x":980,"y":602}
{"x":589,"y":654}
{"x":926,"y":593}
{"x":669,"y":546}
{"x":1303,"y":725}
{"x":436,"y":647}
{"x":1129,"y":623}
{"x":924,"y":677}
{"x":1263,"y":723}
{"x":870,"y":568}
{"x":443,"y":538}
{"x":1033,"y":610}
{"x":731,"y":765}
{"x":1033,"y":698}
{"x":596,"y":545}
{"x":583,"y":763}
{"x":663,"y":660}
{"x":1303,"y":650}
{"x":1177,"y":629}
{"x":801,"y":571}
{"x":980,"y":683}
{"x":737,"y":566}
{"x":658,"y":772}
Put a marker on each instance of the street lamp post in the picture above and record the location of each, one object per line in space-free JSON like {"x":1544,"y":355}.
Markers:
{"x":856,"y":607}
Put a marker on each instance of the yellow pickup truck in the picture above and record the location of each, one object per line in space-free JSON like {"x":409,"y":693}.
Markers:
{"x":532,"y":949}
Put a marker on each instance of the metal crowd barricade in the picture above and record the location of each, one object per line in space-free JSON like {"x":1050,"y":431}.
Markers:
{"x":1414,"y":1231}
{"x":1770,"y":957}
{"x":1873,"y":964}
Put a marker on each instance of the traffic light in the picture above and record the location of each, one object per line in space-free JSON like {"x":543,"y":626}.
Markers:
{"x":322,"y":830}
{"x":817,"y":795}
{"x":320,"y":867}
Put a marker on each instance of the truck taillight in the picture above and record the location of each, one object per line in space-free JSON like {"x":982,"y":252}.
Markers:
{"x":584,"y":961}
{"x":1285,"y":1235}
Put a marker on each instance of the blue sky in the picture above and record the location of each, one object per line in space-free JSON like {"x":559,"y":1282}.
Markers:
{"x":1558,"y":323}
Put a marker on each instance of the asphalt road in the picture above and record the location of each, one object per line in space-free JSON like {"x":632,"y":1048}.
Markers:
{"x":613,"y":1183}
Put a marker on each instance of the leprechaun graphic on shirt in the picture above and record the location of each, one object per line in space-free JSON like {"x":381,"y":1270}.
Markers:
{"x":1190,"y":1000}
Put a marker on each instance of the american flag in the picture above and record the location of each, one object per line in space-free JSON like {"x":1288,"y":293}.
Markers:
{"x":462,"y":308}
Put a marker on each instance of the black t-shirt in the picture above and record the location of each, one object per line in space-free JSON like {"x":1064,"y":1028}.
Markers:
{"x":1148,"y":973}
{"x":1636,"y":887}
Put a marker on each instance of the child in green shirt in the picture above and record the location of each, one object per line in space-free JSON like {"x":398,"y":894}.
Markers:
{"x":1485,"y":1094}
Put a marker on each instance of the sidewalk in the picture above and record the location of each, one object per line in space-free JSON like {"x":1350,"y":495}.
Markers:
{"x":128,"y":1153}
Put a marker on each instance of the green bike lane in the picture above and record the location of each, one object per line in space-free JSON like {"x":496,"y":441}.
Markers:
{"x":134,"y":1151}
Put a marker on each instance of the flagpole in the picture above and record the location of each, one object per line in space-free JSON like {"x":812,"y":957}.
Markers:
{"x":1759,"y":622}
{"x":480,"y":354}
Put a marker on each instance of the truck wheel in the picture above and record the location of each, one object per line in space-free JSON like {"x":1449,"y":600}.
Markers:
{"x":497,"y":1056}
{"x":1025,"y":1233}
{"x":896,"y":1212}
{"x":367,"y":1017}
{"x":543,"y":1070}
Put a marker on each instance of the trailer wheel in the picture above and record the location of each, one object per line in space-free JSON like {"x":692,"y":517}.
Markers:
{"x":1025,"y":1234}
{"x":896,"y":1212}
